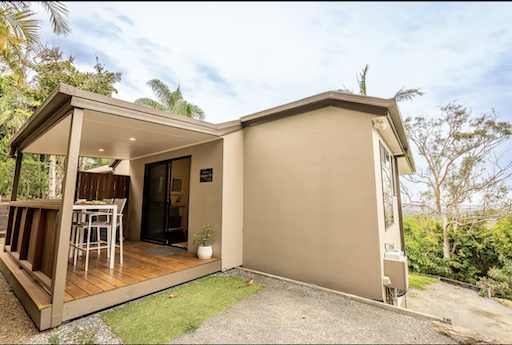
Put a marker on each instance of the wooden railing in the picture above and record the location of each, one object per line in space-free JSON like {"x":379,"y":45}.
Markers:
{"x":31,"y":237}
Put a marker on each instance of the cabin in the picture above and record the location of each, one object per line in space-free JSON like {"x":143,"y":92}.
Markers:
{"x":307,"y":190}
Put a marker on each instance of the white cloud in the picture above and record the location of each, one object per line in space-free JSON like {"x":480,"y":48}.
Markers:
{"x":273,"y":53}
{"x":267,"y":54}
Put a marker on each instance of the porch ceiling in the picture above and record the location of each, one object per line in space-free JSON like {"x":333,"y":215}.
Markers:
{"x":112,"y":135}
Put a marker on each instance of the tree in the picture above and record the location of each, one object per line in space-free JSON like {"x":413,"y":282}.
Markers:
{"x":18,"y":29}
{"x":18,"y":101}
{"x":171,"y":101}
{"x":52,"y":70}
{"x":402,"y":95}
{"x":462,"y":167}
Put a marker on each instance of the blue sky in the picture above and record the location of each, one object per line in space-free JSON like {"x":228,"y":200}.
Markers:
{"x":234,"y":59}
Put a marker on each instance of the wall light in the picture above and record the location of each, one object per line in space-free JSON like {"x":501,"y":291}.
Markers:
{"x":101,"y":150}
{"x":132,"y":139}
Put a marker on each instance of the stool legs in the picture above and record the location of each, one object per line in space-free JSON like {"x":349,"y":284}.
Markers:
{"x":87,"y":249}
{"x":121,"y":235}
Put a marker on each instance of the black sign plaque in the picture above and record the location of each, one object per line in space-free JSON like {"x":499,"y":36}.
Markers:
{"x":206,"y":175}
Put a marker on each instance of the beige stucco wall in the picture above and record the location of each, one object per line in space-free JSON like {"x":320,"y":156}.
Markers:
{"x":123,"y":168}
{"x":205,"y":198}
{"x":232,"y":200}
{"x":310,"y":209}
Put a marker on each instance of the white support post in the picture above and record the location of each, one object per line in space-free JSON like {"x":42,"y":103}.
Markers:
{"x":65,"y":217}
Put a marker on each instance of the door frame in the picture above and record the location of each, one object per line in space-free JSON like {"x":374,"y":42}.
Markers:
{"x":168,"y":181}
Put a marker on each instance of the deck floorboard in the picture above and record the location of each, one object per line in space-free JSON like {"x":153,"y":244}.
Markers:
{"x":137,"y":266}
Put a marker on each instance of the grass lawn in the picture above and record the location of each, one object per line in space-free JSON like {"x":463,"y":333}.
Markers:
{"x":160,"y":318}
{"x":419,"y":282}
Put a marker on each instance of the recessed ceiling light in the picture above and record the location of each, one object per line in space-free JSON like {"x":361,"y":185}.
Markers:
{"x":132,"y":139}
{"x":101,"y":150}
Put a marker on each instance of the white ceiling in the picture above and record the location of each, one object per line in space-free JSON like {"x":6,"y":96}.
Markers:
{"x":112,"y":134}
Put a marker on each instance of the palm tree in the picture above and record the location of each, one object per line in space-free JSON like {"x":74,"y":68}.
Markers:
{"x":402,"y":95}
{"x":19,"y":31}
{"x":171,"y":101}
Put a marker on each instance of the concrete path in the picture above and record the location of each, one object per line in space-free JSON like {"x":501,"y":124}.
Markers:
{"x":285,"y":313}
{"x":465,"y":308}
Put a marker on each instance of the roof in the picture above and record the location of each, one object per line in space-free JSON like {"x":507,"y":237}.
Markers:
{"x":64,"y":98}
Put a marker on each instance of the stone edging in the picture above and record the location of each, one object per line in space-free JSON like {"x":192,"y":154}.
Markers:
{"x":355,"y":298}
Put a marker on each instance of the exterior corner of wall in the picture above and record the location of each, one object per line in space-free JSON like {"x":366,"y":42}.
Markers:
{"x":232,"y":200}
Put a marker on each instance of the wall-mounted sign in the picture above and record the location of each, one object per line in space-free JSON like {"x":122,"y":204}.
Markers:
{"x":206,"y":175}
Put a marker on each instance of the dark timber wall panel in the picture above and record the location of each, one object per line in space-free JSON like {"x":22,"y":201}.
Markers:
{"x":95,"y":186}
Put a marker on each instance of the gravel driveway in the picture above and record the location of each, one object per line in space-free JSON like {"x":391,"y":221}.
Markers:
{"x":282,"y":313}
{"x":465,"y":308}
{"x":14,"y":321}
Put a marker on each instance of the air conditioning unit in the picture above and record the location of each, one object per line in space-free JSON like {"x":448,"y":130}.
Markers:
{"x":395,"y":267}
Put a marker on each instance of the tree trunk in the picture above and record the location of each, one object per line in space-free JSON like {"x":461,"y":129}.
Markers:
{"x":60,"y":175}
{"x":52,"y":177}
{"x":82,"y":163}
{"x":446,"y":240}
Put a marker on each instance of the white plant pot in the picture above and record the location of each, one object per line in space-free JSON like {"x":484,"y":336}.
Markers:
{"x":204,"y":252}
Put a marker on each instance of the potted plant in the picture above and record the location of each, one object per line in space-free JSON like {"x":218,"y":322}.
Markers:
{"x":204,"y":251}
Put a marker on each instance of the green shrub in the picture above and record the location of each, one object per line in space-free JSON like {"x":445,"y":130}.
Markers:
{"x":424,"y":247}
{"x":475,"y":255}
{"x":498,"y":280}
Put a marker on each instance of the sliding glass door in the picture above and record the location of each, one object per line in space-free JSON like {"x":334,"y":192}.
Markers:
{"x":156,"y":179}
{"x":165,"y":202}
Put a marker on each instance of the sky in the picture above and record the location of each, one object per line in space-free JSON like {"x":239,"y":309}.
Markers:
{"x":235,"y":59}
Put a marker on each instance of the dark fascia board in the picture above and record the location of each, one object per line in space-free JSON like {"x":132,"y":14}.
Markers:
{"x":365,"y":108}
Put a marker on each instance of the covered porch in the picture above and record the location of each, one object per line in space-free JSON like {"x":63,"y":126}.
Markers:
{"x":35,"y":259}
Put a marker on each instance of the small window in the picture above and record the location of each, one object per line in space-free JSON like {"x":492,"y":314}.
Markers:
{"x":387,"y":184}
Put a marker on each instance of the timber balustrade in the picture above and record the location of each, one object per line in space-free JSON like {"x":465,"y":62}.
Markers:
{"x":32,"y":226}
{"x":31,"y":237}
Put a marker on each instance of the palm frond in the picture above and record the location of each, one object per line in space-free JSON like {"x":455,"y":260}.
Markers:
{"x":407,"y":94}
{"x":170,"y":101}
{"x":162,"y":92}
{"x":175,"y":97}
{"x":150,"y":103}
{"x":58,"y":16}
{"x":362,"y":82}
{"x":181,"y":108}
{"x":9,"y":42}
{"x":344,"y":90}
{"x":21,"y":24}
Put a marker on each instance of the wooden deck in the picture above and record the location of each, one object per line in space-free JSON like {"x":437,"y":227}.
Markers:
{"x":138,"y":266}
{"x":100,"y":288}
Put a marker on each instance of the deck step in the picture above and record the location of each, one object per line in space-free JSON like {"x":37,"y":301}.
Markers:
{"x":35,"y":291}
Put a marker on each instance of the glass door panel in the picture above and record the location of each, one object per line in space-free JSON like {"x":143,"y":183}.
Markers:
{"x":155,"y":202}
